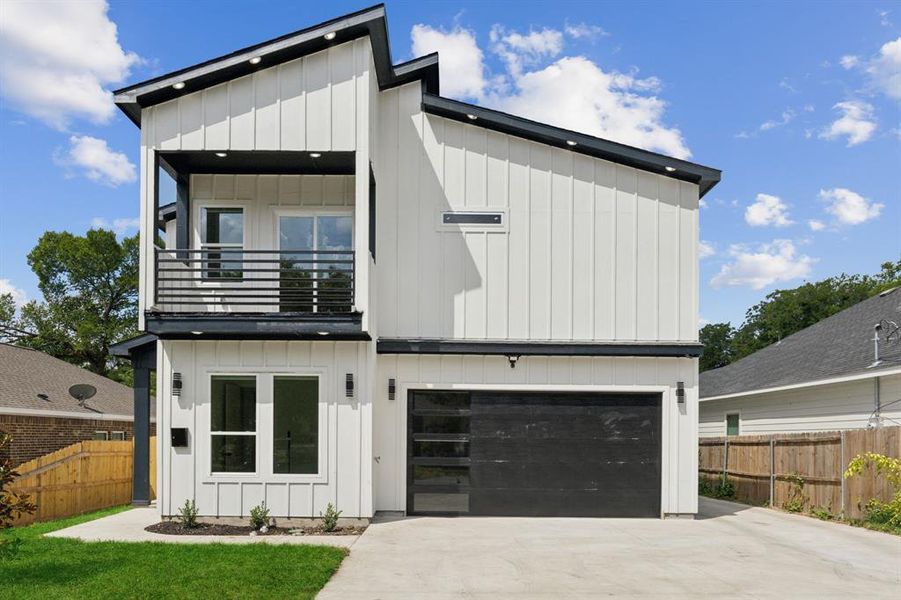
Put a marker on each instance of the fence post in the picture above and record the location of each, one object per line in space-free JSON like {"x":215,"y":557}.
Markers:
{"x":772,"y":470}
{"x":725,"y":458}
{"x":841,"y":473}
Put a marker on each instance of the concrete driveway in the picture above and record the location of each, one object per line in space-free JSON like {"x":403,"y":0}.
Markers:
{"x":730,"y":550}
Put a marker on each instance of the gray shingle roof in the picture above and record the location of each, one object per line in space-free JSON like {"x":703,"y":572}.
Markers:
{"x":25,"y":373}
{"x":838,"y":346}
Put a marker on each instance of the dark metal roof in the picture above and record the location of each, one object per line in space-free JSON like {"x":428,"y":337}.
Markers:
{"x":838,"y":346}
{"x":534,"y":348}
{"x":371,"y":22}
{"x":704,"y":177}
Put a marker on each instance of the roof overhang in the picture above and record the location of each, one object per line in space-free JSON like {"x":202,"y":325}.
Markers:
{"x":808,"y":384}
{"x":367,"y":22}
{"x":704,"y":177}
{"x":513,"y":348}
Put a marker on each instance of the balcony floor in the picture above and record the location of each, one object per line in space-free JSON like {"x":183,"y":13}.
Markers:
{"x":257,"y":326}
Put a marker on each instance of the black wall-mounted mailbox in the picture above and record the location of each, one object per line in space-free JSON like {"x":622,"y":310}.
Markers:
{"x":466,"y":218}
{"x":179,"y":436}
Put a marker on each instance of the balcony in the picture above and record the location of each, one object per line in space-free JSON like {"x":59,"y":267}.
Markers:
{"x":237,"y":292}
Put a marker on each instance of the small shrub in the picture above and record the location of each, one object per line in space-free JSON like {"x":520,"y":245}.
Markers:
{"x":12,"y":505}
{"x":821,"y":513}
{"x":330,"y":518}
{"x":187,"y":515}
{"x":259,"y":516}
{"x":795,"y":501}
{"x":722,"y":488}
{"x":886,"y":514}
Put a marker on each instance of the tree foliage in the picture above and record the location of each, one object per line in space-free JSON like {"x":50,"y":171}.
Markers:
{"x":12,"y":504}
{"x":784,"y":312}
{"x":90,"y":289}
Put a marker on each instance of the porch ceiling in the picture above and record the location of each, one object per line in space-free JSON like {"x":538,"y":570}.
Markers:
{"x":258,"y":162}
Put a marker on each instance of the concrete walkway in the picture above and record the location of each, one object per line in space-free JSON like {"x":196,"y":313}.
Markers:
{"x":129,"y":526}
{"x":731,"y":550}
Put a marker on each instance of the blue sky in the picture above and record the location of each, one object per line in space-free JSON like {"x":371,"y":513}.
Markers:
{"x":797,"y":103}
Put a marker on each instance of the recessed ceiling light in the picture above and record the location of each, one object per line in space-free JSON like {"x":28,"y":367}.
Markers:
{"x":315,"y":154}
{"x":670,"y":169}
{"x":255,"y":60}
{"x":197,"y":332}
{"x":322,"y":332}
{"x":221,"y":154}
{"x":471,"y":117}
{"x":178,"y":86}
{"x":570,"y":143}
{"x":330,"y":35}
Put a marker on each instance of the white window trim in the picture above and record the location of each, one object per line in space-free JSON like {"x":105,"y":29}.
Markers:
{"x":114,"y":433}
{"x":265,"y":426}
{"x":199,"y":244}
{"x":106,"y":437}
{"x":210,"y":433}
{"x":726,"y":416}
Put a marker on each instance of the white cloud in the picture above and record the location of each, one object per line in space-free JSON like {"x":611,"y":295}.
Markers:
{"x":97,"y":161}
{"x":570,"y":92}
{"x":767,"y":210}
{"x":762,"y":266}
{"x":884,"y":70}
{"x":788,"y":116}
{"x":849,"y":208}
{"x":19,"y":296}
{"x":462,"y":66}
{"x":702,"y":322}
{"x":705,"y":250}
{"x":119,"y":226}
{"x":585,"y":31}
{"x":58,"y":58}
{"x":703,"y":203}
{"x":857,"y":122}
{"x":816,"y":225}
{"x":518,"y":50}
{"x":849,"y":61}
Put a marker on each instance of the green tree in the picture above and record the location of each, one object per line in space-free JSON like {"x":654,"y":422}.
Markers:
{"x":784,"y":312}
{"x":90,"y":289}
{"x":717,"y":341}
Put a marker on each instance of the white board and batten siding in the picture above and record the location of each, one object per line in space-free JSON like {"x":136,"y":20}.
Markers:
{"x":345,"y":453}
{"x":592,"y":250}
{"x":318,"y":102}
{"x":831,"y":407}
{"x":601,"y":374}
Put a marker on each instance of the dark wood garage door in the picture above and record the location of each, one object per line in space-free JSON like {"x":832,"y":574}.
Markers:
{"x":534,"y":454}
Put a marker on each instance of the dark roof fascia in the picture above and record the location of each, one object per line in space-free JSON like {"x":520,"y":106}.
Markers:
{"x":704,"y":177}
{"x":251,"y":326}
{"x":367,"y":22}
{"x":165,"y":214}
{"x":509,"y":348}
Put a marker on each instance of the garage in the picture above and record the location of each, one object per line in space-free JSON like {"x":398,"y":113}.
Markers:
{"x":513,"y":453}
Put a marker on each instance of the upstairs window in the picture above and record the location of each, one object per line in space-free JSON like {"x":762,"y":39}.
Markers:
{"x":222,"y":243}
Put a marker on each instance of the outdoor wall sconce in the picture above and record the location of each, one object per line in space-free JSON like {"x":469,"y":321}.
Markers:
{"x":349,"y":385}
{"x":392,"y":388}
{"x":680,"y":392}
{"x":176,"y":384}
{"x":513,"y":358}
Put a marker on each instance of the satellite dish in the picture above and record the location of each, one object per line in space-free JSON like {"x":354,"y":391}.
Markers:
{"x":82,"y":391}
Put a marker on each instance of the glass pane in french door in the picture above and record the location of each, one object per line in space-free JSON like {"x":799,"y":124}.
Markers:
{"x":296,"y":275}
{"x":334,"y":242}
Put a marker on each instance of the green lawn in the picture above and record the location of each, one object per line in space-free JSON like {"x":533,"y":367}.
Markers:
{"x":48,"y":568}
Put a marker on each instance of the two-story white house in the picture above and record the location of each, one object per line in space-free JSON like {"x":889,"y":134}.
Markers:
{"x":378,"y":297}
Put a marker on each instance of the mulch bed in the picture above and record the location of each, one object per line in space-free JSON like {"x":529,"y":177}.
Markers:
{"x":175,"y":528}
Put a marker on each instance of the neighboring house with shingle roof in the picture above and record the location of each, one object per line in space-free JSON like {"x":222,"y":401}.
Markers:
{"x":825,"y":377}
{"x":37,"y":410}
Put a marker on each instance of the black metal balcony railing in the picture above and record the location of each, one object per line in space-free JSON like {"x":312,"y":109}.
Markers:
{"x":239,"y":280}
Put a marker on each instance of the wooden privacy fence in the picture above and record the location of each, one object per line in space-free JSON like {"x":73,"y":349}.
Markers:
{"x":85,"y":476}
{"x":803,"y":467}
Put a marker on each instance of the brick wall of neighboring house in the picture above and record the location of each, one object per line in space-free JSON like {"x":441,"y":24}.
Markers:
{"x":34,"y":436}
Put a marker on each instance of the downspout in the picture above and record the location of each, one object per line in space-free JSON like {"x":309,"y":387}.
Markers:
{"x":877,"y":401}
